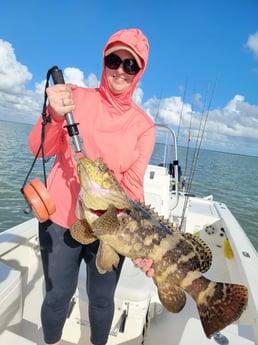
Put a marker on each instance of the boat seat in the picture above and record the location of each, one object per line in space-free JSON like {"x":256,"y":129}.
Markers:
{"x":156,"y":187}
{"x":10,"y":296}
{"x":131,"y":279}
{"x":8,"y":338}
{"x":193,"y":334}
{"x":133,"y":284}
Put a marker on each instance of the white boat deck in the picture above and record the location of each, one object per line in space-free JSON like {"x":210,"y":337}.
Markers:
{"x":22,"y":287}
{"x":134,"y":290}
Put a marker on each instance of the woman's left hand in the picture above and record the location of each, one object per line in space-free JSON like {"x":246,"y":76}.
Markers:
{"x":145,"y":266}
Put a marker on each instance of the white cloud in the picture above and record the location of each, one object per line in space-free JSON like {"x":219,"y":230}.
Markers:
{"x":138,"y":96}
{"x":74,"y":75}
{"x":228,"y":129}
{"x":252,"y":43}
{"x":238,"y":118}
{"x":16,"y":103}
{"x":14,"y":75}
{"x":233,"y":128}
{"x":170,"y":110}
{"x":92,"y":81}
{"x":197,"y":100}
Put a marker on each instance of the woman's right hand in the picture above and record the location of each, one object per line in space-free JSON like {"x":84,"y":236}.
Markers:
{"x":60,"y":98}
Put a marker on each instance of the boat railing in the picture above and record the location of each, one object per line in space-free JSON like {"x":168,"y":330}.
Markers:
{"x":162,"y":176}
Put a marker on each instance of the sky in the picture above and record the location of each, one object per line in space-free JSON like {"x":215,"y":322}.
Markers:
{"x":201,"y":77}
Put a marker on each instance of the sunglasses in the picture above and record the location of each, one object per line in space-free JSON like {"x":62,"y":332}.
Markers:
{"x":130,"y":66}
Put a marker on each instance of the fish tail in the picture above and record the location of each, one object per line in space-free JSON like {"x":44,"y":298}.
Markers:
{"x":219,"y":304}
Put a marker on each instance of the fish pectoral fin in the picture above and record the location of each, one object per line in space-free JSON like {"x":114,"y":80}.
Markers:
{"x":106,"y":223}
{"x":106,"y":258}
{"x":81,"y":231}
{"x":172,"y":297}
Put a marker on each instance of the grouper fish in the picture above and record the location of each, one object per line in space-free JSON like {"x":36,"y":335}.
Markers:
{"x":130,"y":229}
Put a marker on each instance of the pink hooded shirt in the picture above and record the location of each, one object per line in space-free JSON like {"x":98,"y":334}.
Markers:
{"x":112,"y":127}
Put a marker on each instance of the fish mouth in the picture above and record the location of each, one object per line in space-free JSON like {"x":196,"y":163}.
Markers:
{"x":92,"y":214}
{"x":99,"y":213}
{"x":93,"y":196}
{"x":94,"y":200}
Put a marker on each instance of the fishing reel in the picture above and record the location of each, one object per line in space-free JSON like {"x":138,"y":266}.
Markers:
{"x":35,"y":192}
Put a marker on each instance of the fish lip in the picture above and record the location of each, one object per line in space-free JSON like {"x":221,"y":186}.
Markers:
{"x":89,"y":186}
{"x":93,"y":195}
{"x":94,"y":211}
{"x":99,"y":213}
{"x":89,"y":189}
{"x":95,"y":198}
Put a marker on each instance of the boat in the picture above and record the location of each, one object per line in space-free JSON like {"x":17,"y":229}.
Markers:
{"x":139,"y":315}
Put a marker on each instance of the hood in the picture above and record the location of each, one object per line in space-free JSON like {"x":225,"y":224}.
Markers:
{"x":136,"y":40}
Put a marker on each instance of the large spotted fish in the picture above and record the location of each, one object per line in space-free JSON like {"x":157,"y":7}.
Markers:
{"x":179,"y":259}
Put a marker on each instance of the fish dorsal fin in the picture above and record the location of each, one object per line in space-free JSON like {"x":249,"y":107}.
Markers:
{"x":106,"y":258}
{"x":161,"y":219}
{"x":201,"y":250}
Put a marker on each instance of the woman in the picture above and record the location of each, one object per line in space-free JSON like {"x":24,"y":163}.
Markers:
{"x":112,"y":127}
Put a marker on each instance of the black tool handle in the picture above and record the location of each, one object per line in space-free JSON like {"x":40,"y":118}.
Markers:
{"x":123,"y":320}
{"x":73,"y":131}
{"x":57,"y":75}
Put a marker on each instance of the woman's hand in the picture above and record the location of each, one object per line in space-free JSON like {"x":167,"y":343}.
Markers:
{"x":145,"y":266}
{"x":60,"y":98}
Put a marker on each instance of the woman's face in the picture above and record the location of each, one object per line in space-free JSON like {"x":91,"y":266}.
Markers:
{"x":119,"y":81}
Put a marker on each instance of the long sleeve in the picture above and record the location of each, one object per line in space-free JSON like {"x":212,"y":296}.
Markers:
{"x":54,"y":132}
{"x":132,"y":180}
{"x":125,"y":141}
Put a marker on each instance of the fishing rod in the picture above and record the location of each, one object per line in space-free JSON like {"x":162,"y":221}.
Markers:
{"x":197,"y":151}
{"x":157,"y":113}
{"x":201,"y":132}
{"x":188,"y":145}
{"x":181,"y":112}
{"x":193,"y":163}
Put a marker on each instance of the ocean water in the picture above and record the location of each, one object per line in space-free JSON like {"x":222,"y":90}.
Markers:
{"x":15,"y":162}
{"x":230,"y":178}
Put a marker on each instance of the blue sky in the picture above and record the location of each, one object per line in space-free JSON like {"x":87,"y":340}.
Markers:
{"x":194,"y":45}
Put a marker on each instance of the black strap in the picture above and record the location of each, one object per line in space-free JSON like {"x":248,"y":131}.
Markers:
{"x":45,"y":120}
